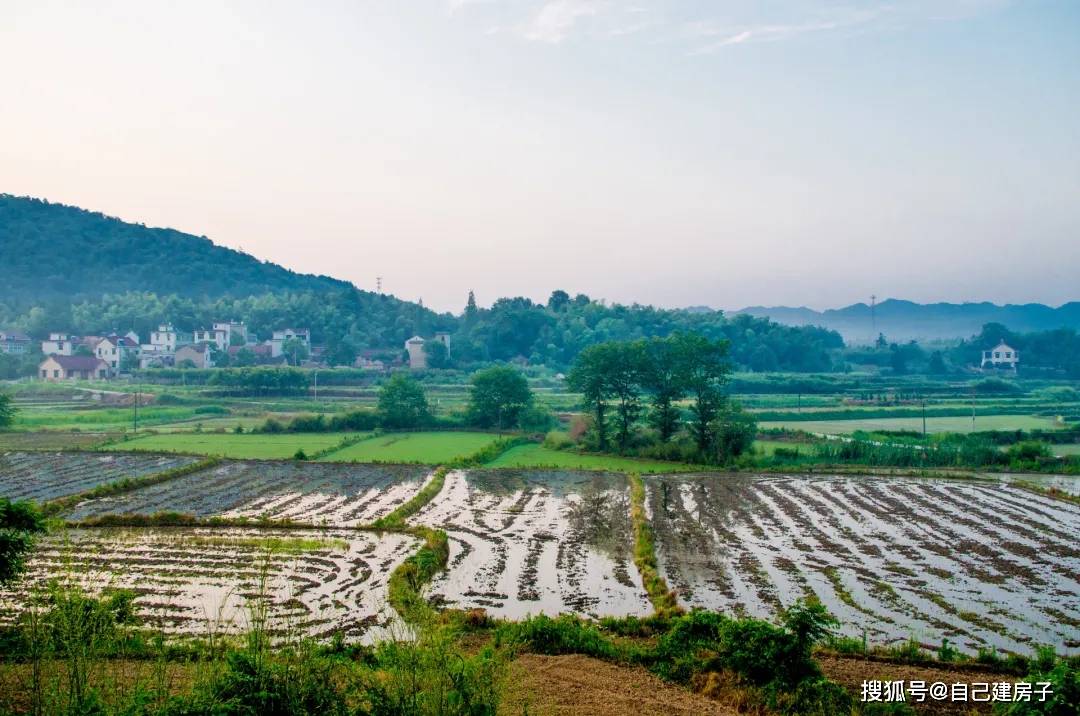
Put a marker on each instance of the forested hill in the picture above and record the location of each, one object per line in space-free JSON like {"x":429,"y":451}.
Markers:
{"x":52,"y":251}
{"x":905,"y":320}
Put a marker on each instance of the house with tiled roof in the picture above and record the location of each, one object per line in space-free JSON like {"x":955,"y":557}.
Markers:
{"x":56,"y":368}
{"x":14,"y":343}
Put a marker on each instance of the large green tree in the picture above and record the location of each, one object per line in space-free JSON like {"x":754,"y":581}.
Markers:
{"x":589,"y":377}
{"x":666,"y":371}
{"x":625,"y":371}
{"x":708,"y":371}
{"x":20,"y":522}
{"x":402,"y":403}
{"x":498,"y":397}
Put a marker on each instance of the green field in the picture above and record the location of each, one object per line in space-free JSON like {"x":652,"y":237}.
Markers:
{"x":431,"y":448}
{"x":769,"y":447}
{"x":237,"y":446}
{"x":1072,"y":449}
{"x":933,"y":425}
{"x":540,"y":456}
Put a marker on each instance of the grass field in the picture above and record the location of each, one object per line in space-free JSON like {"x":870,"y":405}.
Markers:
{"x":1073,"y":449}
{"x":933,"y":425}
{"x":540,"y":456}
{"x":237,"y":446}
{"x":769,"y":447}
{"x":431,"y":448}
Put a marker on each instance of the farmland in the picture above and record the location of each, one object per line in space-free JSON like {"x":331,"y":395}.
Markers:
{"x":960,"y":424}
{"x":243,"y":446}
{"x":535,"y":541}
{"x":338,"y":495}
{"x":429,"y":448}
{"x":533,"y":455}
{"x":200,"y":582}
{"x":979,"y":563}
{"x":44,"y":476}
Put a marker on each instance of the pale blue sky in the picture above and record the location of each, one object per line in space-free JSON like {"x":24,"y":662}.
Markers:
{"x":680,"y":153}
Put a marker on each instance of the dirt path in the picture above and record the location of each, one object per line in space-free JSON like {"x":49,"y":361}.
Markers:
{"x":577,"y":685}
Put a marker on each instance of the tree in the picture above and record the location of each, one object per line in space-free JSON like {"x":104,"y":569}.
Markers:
{"x":341,"y":352}
{"x":438,"y":355}
{"x":402,"y":403}
{"x":243,"y":358}
{"x":735,"y":431}
{"x":84,"y":350}
{"x":898,"y":360}
{"x":500,"y":395}
{"x":19,"y":523}
{"x":625,"y":371}
{"x":589,"y":377}
{"x":471,"y":311}
{"x":7,"y":410}
{"x":707,"y":374}
{"x":937,"y":364}
{"x":295,"y":349}
{"x":665,"y":376}
{"x":558,"y":301}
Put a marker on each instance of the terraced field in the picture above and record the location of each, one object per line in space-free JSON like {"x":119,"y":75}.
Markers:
{"x":981,"y":563}
{"x":337,"y":495}
{"x":44,"y":475}
{"x":200,"y":582}
{"x":531,"y":541}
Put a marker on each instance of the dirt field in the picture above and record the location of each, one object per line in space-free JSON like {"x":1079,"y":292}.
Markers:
{"x":575,"y":685}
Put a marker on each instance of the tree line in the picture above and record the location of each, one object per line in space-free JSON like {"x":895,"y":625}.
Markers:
{"x":662,"y":397}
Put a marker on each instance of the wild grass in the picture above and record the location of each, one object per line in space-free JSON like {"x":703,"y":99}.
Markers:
{"x":663,"y":599}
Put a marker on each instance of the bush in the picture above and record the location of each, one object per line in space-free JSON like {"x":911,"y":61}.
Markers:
{"x":565,"y":634}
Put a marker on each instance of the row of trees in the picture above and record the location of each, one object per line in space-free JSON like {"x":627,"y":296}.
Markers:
{"x":623,"y":382}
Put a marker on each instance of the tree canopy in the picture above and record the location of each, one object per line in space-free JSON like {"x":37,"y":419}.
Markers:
{"x":498,"y":397}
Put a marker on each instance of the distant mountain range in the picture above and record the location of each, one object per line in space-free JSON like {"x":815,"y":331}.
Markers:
{"x":904,"y":320}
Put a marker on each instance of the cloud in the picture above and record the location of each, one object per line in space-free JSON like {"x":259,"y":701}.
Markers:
{"x":554,"y":21}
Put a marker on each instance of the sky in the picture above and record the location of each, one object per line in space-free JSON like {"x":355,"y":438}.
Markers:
{"x":725,"y":153}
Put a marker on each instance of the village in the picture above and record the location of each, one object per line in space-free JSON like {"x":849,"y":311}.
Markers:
{"x":224,"y":344}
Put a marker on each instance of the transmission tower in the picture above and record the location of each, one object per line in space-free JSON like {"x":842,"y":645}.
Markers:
{"x":378,"y":284}
{"x":873,"y":314}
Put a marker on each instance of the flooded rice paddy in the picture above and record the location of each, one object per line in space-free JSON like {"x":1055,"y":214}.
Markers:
{"x":42,"y":476}
{"x":980,"y":563}
{"x":203,"y":582}
{"x":530,"y":541}
{"x":330,"y":494}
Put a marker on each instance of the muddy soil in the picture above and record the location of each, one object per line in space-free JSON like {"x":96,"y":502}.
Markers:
{"x":979,"y":563}
{"x":44,"y":476}
{"x":202,"y":582}
{"x":342,"y":495}
{"x":531,"y":541}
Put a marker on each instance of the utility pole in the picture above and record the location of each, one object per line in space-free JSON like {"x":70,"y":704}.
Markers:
{"x":924,"y":418}
{"x":316,"y":386}
{"x":136,"y":376}
{"x":873,"y":315}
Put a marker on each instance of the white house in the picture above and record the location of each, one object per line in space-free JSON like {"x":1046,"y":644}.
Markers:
{"x":223,"y":334}
{"x":164,"y":339}
{"x":58,"y":344}
{"x":286,"y":334}
{"x":114,"y":350}
{"x":1001,"y":356}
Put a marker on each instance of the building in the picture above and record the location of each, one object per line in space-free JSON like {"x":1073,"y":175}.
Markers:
{"x":116,"y":351}
{"x":14,"y":343}
{"x":58,"y":344}
{"x":198,"y":353}
{"x":164,"y":339}
{"x":1001,"y":356}
{"x":223,"y":334}
{"x":417,"y":355}
{"x":278,"y":339}
{"x":56,"y":368}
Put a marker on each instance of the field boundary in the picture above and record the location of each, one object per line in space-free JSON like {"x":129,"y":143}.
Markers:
{"x":663,"y":599}
{"x":396,"y":520}
{"x":127,"y":484}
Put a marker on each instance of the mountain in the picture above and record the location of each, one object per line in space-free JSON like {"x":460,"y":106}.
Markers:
{"x":57,"y":252}
{"x":904,"y":320}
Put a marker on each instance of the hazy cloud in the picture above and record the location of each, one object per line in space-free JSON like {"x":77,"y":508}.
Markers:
{"x":554,"y":21}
